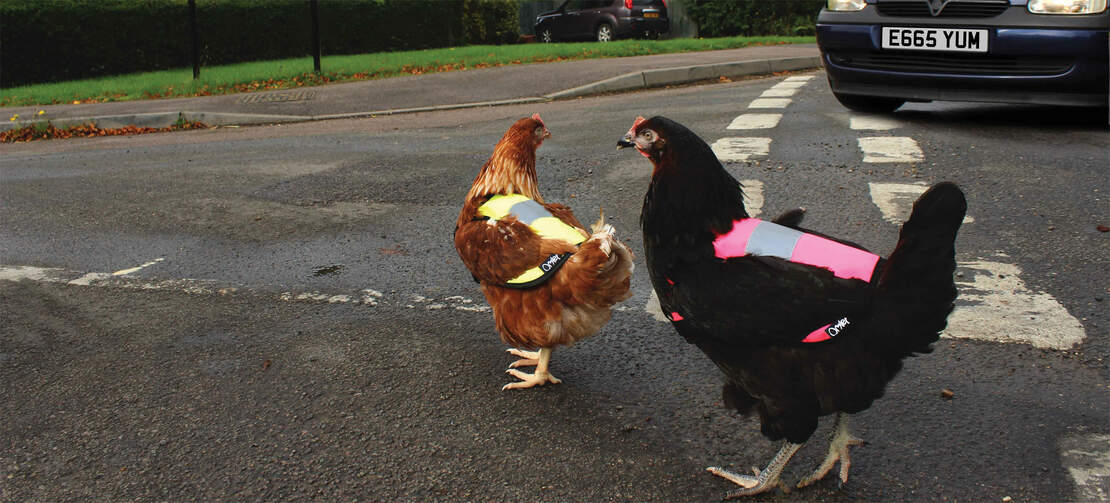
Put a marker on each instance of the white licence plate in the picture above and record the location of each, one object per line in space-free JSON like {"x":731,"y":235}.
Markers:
{"x":935,"y":39}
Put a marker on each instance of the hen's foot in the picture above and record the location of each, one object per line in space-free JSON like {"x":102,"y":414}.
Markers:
{"x":540,"y":359}
{"x":530,"y":380}
{"x":838,"y":451}
{"x":764,"y":480}
{"x":527,"y":358}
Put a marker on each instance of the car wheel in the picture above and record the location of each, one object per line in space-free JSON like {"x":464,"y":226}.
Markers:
{"x":604,"y":32}
{"x":872,"y":104}
{"x":546,"y":36}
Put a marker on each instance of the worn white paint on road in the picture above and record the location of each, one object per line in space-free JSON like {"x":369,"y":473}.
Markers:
{"x":791,"y":83}
{"x":654,"y":309}
{"x":753,"y":196}
{"x":364,"y":297}
{"x":124,"y":272}
{"x":770,"y":103}
{"x":996,"y":305}
{"x":778,"y":93}
{"x":872,"y":123}
{"x":878,"y":149}
{"x":895,"y":200}
{"x":1087,"y":459}
{"x":755,"y":121}
{"x":741,"y":149}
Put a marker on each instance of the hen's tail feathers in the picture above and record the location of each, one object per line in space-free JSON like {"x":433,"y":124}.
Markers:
{"x":597,"y":226}
{"x":606,"y":266}
{"x":917,"y":285}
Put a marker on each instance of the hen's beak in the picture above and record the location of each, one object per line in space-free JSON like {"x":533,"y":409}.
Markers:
{"x":625,"y":142}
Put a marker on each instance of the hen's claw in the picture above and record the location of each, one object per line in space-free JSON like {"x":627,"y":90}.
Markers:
{"x":527,"y":358}
{"x":838,"y":451}
{"x":540,"y":359}
{"x":529,"y":380}
{"x":764,"y":480}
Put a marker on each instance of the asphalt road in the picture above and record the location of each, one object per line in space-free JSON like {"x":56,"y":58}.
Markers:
{"x":277,"y":313}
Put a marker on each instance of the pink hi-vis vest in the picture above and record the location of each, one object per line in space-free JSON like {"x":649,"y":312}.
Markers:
{"x":752,"y":236}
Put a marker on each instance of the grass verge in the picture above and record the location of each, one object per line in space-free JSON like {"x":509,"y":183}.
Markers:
{"x":297,"y":72}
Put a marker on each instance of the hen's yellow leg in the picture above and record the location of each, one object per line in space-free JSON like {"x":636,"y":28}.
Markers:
{"x":539,"y":378}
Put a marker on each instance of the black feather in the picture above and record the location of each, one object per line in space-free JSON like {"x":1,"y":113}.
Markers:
{"x":749,"y":314}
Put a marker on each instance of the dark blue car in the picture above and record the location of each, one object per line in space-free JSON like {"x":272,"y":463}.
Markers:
{"x":880,"y":54}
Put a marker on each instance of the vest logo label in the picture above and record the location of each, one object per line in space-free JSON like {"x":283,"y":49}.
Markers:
{"x":551,"y":262}
{"x":835,"y":329}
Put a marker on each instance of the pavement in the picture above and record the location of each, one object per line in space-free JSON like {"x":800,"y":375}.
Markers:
{"x":532,"y":83}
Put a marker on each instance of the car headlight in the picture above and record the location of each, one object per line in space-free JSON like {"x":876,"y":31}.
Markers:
{"x":1065,"y":6}
{"x":845,"y":5}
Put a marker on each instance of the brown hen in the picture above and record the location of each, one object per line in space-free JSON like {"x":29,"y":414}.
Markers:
{"x":580,"y":275}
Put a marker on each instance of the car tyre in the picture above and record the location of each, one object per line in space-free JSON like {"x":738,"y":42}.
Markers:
{"x":546,"y":36}
{"x":604,"y":32}
{"x":870,"y":104}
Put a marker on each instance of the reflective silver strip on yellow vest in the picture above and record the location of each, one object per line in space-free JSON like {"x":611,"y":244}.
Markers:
{"x":543,"y":223}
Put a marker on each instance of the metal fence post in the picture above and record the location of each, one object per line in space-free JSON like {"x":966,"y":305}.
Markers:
{"x":315,"y":35}
{"x":196,"y":38}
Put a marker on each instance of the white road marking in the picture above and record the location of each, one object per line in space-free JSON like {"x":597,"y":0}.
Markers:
{"x":753,"y":196}
{"x":895,"y":200}
{"x":654,"y":309}
{"x":741,"y":149}
{"x":778,"y":93}
{"x":890,"y":149}
{"x":124,"y":272}
{"x":994,"y":304}
{"x":872,"y":123}
{"x":799,"y":78}
{"x":368,"y":297}
{"x":769,"y":103}
{"x":22,"y":272}
{"x":790,"y":84}
{"x":755,"y":121}
{"x":1087,"y":458}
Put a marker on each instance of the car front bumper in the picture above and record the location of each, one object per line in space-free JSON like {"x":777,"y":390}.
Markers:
{"x":1030,"y":59}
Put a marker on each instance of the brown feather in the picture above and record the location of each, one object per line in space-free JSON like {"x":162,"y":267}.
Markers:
{"x":575,"y":302}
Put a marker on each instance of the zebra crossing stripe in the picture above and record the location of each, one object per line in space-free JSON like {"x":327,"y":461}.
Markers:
{"x":769,"y":103}
{"x":790,"y":84}
{"x":741,"y":149}
{"x":896,"y":199}
{"x":755,"y":121}
{"x":778,"y":93}
{"x":881,"y":149}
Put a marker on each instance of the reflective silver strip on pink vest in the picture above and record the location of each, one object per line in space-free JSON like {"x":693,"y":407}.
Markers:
{"x":752,"y":236}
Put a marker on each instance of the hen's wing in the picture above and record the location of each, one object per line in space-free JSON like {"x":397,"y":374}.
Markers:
{"x":756,"y":301}
{"x":563,"y":212}
{"x":497,"y":251}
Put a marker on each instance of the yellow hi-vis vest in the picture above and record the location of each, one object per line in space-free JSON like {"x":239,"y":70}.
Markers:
{"x":543,"y":223}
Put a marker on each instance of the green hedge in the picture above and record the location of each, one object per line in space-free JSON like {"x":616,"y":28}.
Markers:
{"x":53,"y":40}
{"x":728,"y":18}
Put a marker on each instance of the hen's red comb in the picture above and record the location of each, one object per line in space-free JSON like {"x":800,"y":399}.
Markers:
{"x":537,"y":117}
{"x":636,"y":125}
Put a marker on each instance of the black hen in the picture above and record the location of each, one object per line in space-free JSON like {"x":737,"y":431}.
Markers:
{"x":801,"y":325}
